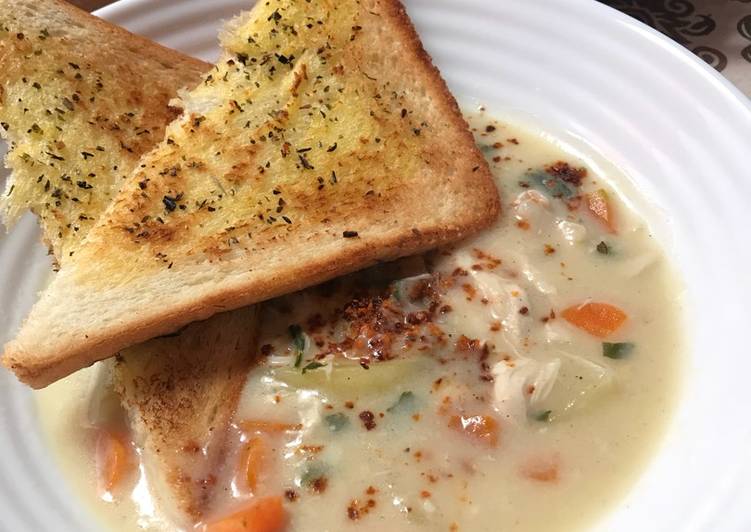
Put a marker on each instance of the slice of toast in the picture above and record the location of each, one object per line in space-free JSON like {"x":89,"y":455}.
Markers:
{"x":82,"y":100}
{"x":321,"y":142}
{"x":179,"y":393}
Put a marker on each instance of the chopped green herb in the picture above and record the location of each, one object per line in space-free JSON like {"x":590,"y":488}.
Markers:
{"x":169,"y":203}
{"x":551,"y":185}
{"x":298,"y":342}
{"x":312,"y":472}
{"x":617,"y":350}
{"x":336,"y":422}
{"x":298,"y":337}
{"x":542,"y":416}
{"x":397,"y":292}
{"x":405,"y":403}
{"x":312,"y":365}
{"x":603,"y":248}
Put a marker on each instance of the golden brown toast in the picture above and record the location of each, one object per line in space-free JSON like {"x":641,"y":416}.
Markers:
{"x":180,"y":392}
{"x":322,"y":141}
{"x":82,"y":100}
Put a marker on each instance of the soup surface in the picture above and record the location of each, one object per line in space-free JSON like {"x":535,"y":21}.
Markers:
{"x":517,"y":381}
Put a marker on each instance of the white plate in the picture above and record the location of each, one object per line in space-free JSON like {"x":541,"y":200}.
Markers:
{"x":678,"y":129}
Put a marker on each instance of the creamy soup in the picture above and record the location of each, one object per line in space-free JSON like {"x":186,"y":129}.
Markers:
{"x":518,"y":381}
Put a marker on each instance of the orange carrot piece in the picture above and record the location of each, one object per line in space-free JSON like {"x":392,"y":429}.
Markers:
{"x":542,"y":469}
{"x":484,"y":429}
{"x":252,"y":461}
{"x":112,"y":460}
{"x":268,"y":427}
{"x":598,"y":204}
{"x":263,"y":515}
{"x":598,"y":319}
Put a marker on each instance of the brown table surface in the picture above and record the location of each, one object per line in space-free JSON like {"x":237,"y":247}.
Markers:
{"x":718,"y":31}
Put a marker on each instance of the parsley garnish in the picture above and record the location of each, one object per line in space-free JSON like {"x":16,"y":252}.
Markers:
{"x":617,"y":350}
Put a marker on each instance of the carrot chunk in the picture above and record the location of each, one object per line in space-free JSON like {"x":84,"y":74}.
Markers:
{"x":484,"y":429}
{"x":598,"y":204}
{"x":112,"y":460}
{"x":542,"y":469}
{"x":263,"y":515}
{"x":252,"y":461}
{"x":598,"y":319}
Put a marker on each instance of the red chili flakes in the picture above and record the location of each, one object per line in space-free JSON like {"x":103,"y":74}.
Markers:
{"x":421,"y":289}
{"x":319,"y":485}
{"x":368,"y":419}
{"x":470,"y":290}
{"x":495,"y":326}
{"x":549,"y":250}
{"x":437,"y":383}
{"x":549,"y":317}
{"x":316,"y":323}
{"x":465,"y":344}
{"x":522,"y":224}
{"x":513,"y":141}
{"x":567,"y":173}
{"x":291,"y":495}
{"x":311,"y":449}
{"x":349,"y":404}
{"x":416,"y":318}
{"x":459,"y":272}
{"x":524,"y":311}
{"x":489,"y":262}
{"x":425,"y":494}
{"x":353,"y":511}
{"x":357,"y":509}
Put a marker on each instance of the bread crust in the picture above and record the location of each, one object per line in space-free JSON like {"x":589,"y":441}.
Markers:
{"x":479,"y":206}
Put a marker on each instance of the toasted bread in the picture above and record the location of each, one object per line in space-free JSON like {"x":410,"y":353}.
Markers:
{"x":82,"y":100}
{"x":177,"y":391}
{"x":322,"y":141}
{"x":180,"y":392}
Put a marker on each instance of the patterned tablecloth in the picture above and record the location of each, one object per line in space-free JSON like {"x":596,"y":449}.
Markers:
{"x":718,"y":31}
